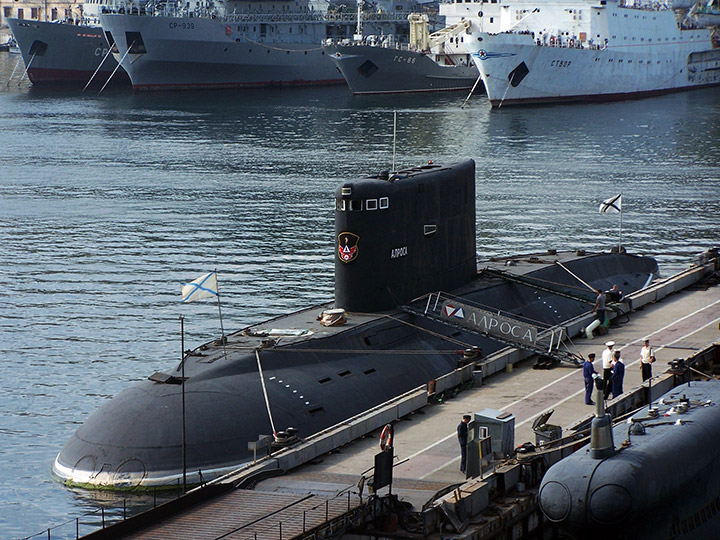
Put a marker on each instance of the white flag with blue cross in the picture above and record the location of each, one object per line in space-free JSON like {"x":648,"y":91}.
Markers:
{"x":205,"y":286}
{"x":613,"y":204}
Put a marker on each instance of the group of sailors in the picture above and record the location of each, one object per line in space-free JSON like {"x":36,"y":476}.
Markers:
{"x":613,"y":370}
{"x":613,"y":366}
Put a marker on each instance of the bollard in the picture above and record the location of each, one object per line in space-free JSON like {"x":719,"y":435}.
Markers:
{"x":280,"y":524}
{"x":303,"y":520}
{"x":327,"y":508}
{"x":348,"y":500}
{"x":48,"y":534}
{"x":102,"y":511}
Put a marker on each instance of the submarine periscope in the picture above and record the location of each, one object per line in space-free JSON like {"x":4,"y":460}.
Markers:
{"x":398,"y":236}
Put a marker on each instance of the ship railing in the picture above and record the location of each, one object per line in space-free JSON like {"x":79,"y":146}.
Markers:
{"x":367,"y":41}
{"x":154,"y":9}
{"x":644,"y":6}
{"x":313,"y":16}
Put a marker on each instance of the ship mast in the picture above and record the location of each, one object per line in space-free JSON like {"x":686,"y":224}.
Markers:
{"x":359,"y":29}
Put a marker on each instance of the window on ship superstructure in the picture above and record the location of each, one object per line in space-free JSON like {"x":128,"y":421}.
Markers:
{"x":356,"y":205}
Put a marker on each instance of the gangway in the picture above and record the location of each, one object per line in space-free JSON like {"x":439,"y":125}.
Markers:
{"x":505,"y":328}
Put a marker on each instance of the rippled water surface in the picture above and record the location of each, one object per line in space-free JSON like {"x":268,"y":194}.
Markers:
{"x":108,"y":202}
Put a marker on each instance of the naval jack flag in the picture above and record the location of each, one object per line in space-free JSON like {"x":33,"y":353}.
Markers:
{"x":613,"y":204}
{"x":203,"y":287}
{"x":206,"y":286}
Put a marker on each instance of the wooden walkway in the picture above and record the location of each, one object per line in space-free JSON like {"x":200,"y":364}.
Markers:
{"x":251,"y":515}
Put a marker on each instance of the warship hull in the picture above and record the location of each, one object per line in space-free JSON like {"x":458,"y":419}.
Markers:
{"x":381,"y":70}
{"x":59,"y":53}
{"x":316,"y":376}
{"x":194,"y":53}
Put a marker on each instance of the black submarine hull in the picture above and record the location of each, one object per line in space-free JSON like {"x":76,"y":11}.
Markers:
{"x":663,"y":484}
{"x":317,"y":376}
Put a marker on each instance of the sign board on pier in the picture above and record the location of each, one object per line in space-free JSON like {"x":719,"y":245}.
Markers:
{"x":489,"y":323}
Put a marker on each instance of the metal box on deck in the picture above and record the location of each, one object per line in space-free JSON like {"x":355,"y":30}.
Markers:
{"x":501,"y":428}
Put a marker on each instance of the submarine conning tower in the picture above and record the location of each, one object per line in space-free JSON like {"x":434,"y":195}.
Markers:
{"x":403,"y":234}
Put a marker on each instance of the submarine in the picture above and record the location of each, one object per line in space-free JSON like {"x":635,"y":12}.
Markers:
{"x":398,"y":236}
{"x":657,"y":476}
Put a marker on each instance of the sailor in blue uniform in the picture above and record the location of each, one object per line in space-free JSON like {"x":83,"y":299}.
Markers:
{"x":588,"y":372}
{"x":462,"y":433}
{"x":618,"y":374}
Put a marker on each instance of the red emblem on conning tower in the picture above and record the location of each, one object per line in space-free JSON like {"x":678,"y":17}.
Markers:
{"x":348,"y":246}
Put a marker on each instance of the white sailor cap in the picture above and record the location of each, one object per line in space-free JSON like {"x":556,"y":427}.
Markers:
{"x":610,"y":343}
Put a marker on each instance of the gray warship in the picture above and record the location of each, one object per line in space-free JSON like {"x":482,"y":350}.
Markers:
{"x":67,"y":52}
{"x":398,"y":237}
{"x":654,"y":477}
{"x":425,"y":63}
{"x":236,"y":44}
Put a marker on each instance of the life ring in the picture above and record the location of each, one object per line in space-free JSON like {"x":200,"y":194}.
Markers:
{"x":572,"y":43}
{"x":552,"y":40}
{"x":386,"y":437}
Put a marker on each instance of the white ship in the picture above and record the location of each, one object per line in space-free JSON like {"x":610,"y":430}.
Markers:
{"x":237,"y":43}
{"x":588,"y":50}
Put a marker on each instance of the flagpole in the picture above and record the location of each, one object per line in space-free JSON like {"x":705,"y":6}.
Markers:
{"x":182,"y":374}
{"x":620,"y":244}
{"x":222,"y":329}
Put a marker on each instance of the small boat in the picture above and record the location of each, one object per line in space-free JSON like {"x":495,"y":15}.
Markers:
{"x":11,"y":46}
{"x":5,"y":47}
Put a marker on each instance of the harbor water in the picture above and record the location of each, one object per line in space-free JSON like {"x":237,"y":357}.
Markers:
{"x":109,"y":202}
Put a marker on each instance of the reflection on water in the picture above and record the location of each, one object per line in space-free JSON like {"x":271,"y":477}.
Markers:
{"x":109,"y":202}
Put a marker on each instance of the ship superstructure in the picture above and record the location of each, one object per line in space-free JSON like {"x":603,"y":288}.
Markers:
{"x":565,"y":50}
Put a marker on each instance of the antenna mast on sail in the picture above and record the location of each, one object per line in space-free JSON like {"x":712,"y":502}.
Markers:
{"x":394,"y":137}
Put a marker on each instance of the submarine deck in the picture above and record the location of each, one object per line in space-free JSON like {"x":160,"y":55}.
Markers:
{"x":425,"y":444}
{"x":304,"y":325}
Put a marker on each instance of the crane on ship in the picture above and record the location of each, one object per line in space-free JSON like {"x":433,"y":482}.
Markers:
{"x":422,"y":40}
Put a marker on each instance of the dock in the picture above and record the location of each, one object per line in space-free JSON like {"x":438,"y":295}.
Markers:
{"x":321,"y":488}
